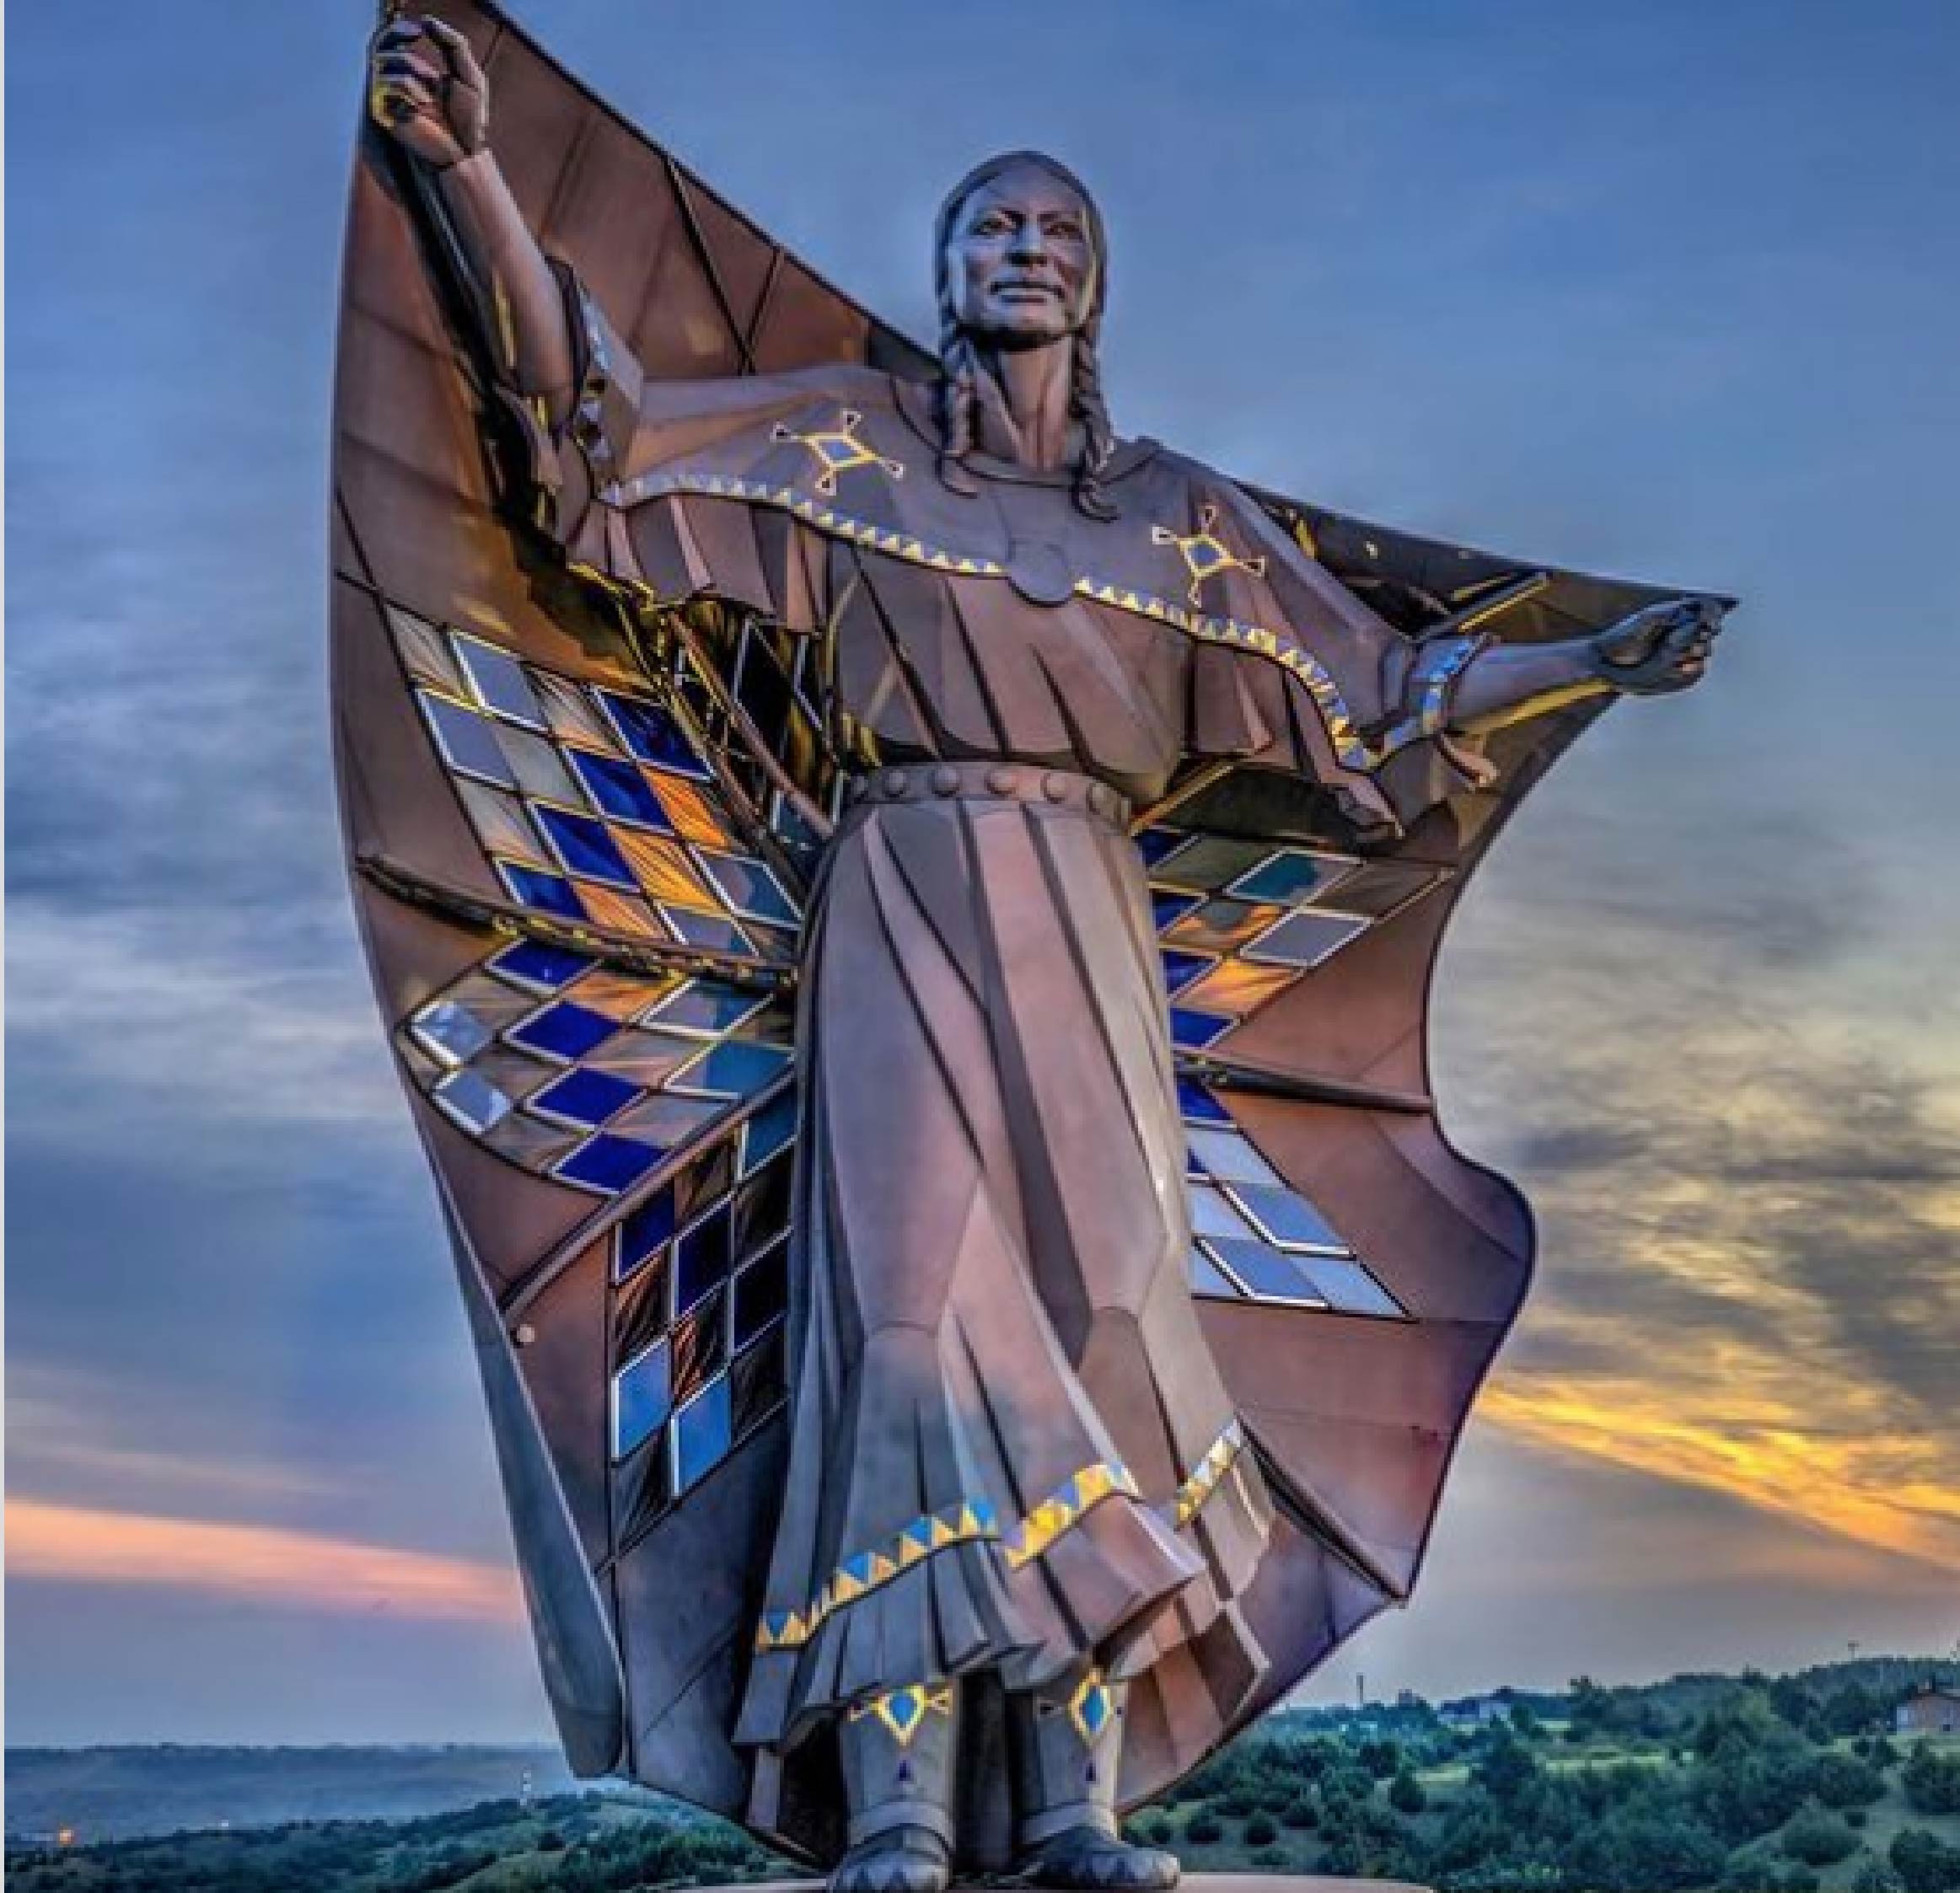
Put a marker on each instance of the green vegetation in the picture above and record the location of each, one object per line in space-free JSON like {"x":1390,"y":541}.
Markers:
{"x":1702,"y":1784}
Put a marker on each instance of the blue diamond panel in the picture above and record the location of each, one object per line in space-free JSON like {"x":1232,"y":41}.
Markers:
{"x":1256,"y":1239}
{"x":1238,"y":922}
{"x":644,"y":839}
{"x":700,"y":1291}
{"x":594,"y":1077}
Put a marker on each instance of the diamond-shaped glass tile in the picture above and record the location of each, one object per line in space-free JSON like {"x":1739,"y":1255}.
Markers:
{"x":1197,"y":1105}
{"x":607,"y":1163}
{"x":472,"y":1100}
{"x":565,"y":1030}
{"x":760,"y":1294}
{"x":734,"y":1069}
{"x":1291,"y":876}
{"x":1192,"y":1031}
{"x":498,"y":681}
{"x":642,"y":1397}
{"x":1228,"y":1154}
{"x":760,"y":1379}
{"x":467,"y":741}
{"x":709,"y":1007}
{"x":539,"y":765}
{"x":1269,"y":1274}
{"x":1207,"y":1277}
{"x":449,"y":1032}
{"x":667,"y":1123}
{"x":618,"y":789}
{"x":1304,"y":939}
{"x":709,"y":931}
{"x":643,"y":1234}
{"x":548,"y":893}
{"x":1214,"y":1214}
{"x":542,"y":968}
{"x":749,"y":887}
{"x":1287,"y":1218}
{"x":1380,"y":888}
{"x":1349,"y":1287}
{"x":701,"y":1259}
{"x":1180,"y":969}
{"x":650,"y":734}
{"x":585,"y":1096}
{"x":702,"y":1434}
{"x":772,"y":1128}
{"x":585,"y":846}
{"x":1154,"y":843}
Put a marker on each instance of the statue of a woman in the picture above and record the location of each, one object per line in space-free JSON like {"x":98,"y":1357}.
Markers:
{"x":1020,"y":1496}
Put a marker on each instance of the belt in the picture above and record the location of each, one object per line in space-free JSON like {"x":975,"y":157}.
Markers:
{"x":925,"y":782}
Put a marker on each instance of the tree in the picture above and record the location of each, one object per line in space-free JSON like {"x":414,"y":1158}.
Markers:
{"x":1843,"y":1781}
{"x":1931,"y":1781}
{"x":1924,"y":1863}
{"x":1817,"y":1838}
{"x":1507,"y":1767}
{"x":1406,"y":1794}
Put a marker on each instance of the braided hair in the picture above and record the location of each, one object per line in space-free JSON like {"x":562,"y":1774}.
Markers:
{"x":959,"y":359}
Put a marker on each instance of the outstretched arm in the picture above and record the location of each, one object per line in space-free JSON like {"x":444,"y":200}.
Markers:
{"x":426,"y":90}
{"x":1663,"y":648}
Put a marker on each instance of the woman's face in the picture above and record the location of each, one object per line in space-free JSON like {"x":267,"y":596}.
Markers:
{"x":1020,"y":261}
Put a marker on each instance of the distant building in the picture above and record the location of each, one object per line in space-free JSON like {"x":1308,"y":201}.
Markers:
{"x":1474,"y":1710}
{"x":1929,"y":1712}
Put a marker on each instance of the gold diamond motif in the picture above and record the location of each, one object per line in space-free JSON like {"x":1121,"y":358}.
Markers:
{"x":1205,"y":555}
{"x":1092,"y":1708}
{"x":838,"y":450}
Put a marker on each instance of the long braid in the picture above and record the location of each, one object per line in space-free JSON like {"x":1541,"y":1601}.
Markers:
{"x":1086,"y":403}
{"x":960,"y":360}
{"x":958,"y":398}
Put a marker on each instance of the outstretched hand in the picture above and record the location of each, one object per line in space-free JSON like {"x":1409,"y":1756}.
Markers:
{"x":1664,"y":647}
{"x":426,"y":89}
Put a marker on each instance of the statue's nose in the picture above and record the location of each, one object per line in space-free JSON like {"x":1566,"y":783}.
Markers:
{"x":1029,"y":244}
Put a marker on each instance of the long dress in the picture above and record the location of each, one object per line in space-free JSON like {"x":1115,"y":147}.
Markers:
{"x":1013,"y":1452}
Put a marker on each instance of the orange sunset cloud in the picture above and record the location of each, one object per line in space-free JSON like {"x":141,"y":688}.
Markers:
{"x":258,"y":1564}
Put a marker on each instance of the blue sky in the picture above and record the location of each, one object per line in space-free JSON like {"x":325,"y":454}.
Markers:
{"x":1648,"y":287}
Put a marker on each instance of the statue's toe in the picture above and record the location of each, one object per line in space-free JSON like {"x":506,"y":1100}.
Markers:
{"x":1091,"y":1861}
{"x":900,"y":1860}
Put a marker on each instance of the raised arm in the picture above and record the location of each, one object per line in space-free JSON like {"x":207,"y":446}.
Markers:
{"x":427,"y":92}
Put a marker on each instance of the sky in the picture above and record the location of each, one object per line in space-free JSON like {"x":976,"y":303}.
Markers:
{"x":1640,"y":286}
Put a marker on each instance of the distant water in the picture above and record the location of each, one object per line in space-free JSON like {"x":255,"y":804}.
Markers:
{"x":113,"y":1794}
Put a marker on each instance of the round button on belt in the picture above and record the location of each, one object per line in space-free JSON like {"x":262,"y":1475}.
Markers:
{"x":1055,"y":785}
{"x":1003,"y":781}
{"x":945,"y":781}
{"x":894,"y":783}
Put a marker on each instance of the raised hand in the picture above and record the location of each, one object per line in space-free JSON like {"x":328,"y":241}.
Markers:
{"x":1664,"y":647}
{"x":426,"y":89}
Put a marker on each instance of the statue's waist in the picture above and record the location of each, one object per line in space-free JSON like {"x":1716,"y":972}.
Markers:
{"x":1057,"y":788}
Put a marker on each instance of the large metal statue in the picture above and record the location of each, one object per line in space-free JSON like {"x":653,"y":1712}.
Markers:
{"x":905,"y":916}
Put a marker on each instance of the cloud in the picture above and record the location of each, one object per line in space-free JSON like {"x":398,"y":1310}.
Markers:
{"x":1746,"y":1159}
{"x":256,"y":1564}
{"x":199,"y":1016}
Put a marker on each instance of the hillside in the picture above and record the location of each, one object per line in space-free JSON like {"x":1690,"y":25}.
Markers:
{"x":1705,"y":1784}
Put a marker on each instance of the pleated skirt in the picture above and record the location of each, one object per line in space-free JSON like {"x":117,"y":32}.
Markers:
{"x":1011,"y":1447}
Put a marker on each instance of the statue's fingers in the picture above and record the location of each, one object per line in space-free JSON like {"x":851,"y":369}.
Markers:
{"x":457,"y":50}
{"x":396,"y":104}
{"x":407,"y":68}
{"x":406,"y":89}
{"x":405,"y":32}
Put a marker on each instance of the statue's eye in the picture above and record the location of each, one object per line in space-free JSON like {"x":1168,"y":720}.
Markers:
{"x":992,"y":225}
{"x":1064,"y":226}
